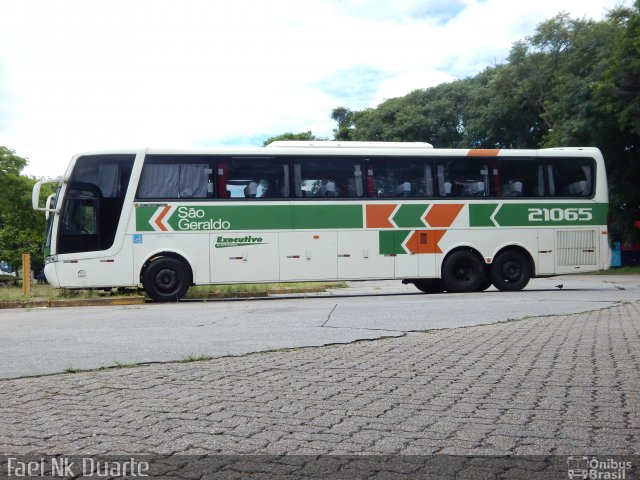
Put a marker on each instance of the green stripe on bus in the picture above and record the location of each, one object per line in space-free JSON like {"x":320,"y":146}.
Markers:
{"x":300,"y":216}
{"x":480,"y":214}
{"x":537,"y":214}
{"x":239,"y":217}
{"x":327,"y":216}
{"x":251,"y":217}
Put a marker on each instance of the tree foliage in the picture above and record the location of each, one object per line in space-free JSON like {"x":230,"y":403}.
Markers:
{"x":21,"y":228}
{"x":573,"y":83}
{"x":308,"y":136}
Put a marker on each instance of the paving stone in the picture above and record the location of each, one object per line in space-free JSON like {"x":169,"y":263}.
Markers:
{"x":565,"y":384}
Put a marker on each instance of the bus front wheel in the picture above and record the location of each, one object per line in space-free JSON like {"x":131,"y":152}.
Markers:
{"x":166,"y":279}
{"x":510,"y":271}
{"x":462,"y":271}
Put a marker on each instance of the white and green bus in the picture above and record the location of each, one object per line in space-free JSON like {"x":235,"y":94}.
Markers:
{"x":443,"y":219}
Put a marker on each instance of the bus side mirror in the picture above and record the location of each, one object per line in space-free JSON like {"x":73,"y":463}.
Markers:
{"x":35,"y":195}
{"x":47,"y":207}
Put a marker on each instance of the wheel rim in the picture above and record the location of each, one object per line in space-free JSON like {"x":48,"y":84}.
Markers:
{"x":464,"y":272}
{"x":167,"y":280}
{"x":511,"y":271}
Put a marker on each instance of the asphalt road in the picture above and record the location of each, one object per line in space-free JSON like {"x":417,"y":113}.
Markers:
{"x":50,"y":340}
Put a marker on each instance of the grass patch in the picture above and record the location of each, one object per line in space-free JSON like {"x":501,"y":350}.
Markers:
{"x":634,"y":270}
{"x":118,"y":364}
{"x":13,"y":293}
{"x":44,"y":292}
{"x":194,"y":358}
{"x":259,"y":289}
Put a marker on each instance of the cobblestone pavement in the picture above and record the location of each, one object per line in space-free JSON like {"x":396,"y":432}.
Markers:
{"x":549,"y":385}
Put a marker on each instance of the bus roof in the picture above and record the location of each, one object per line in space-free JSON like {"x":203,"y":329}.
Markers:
{"x":348,"y":144}
{"x":328,"y":148}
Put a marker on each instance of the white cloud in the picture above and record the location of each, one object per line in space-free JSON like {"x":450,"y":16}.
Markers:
{"x":84,"y":74}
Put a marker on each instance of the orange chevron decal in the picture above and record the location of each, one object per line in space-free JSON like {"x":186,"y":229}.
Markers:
{"x":443,"y":215}
{"x":425,"y":241}
{"x":158,"y":221}
{"x":411,"y":243}
{"x":483,"y":152}
{"x":378,"y":215}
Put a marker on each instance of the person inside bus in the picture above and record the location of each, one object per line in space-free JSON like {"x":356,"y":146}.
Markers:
{"x":330,"y":189}
{"x":403,"y":189}
{"x":576,"y":189}
{"x":250,"y":190}
{"x":512,"y":188}
{"x":473,"y":189}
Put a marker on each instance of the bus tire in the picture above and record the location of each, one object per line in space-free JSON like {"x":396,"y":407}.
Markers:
{"x":166,"y":279}
{"x":484,"y":285}
{"x":462,"y":271}
{"x":430,"y":285}
{"x":510,"y":271}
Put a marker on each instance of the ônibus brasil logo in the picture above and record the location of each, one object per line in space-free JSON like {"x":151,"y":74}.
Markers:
{"x":189,"y":219}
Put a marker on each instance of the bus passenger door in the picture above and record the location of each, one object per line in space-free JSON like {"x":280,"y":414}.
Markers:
{"x":359,"y":256}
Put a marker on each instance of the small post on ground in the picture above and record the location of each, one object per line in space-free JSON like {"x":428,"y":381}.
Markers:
{"x":26,"y":274}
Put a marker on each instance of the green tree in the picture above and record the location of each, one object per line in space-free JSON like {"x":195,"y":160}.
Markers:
{"x":344,"y":118}
{"x":21,"y":228}
{"x":620,"y":85}
{"x":618,"y":93}
{"x":434,"y":115}
{"x":496,"y":118}
{"x":573,"y":83}
{"x":308,"y":136}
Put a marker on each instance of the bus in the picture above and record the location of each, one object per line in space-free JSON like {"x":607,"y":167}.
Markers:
{"x":455,"y":220}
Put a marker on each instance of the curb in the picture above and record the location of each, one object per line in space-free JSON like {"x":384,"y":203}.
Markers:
{"x":139,"y":300}
{"x":81,"y":302}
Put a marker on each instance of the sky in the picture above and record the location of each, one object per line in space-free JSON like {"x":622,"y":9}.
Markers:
{"x":87,"y":75}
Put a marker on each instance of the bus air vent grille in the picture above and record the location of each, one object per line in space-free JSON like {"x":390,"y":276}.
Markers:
{"x":576,"y":247}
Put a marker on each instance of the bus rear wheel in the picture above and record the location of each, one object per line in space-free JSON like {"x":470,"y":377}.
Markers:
{"x":510,"y":271}
{"x":462,"y":271}
{"x":166,"y":279}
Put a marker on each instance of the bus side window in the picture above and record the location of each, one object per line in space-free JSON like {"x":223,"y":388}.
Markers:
{"x":175,"y":177}
{"x":400,"y":177}
{"x":570,"y":177}
{"x":328,"y":178}
{"x":518,"y":177}
{"x":254,"y":178}
{"x":463,"y":177}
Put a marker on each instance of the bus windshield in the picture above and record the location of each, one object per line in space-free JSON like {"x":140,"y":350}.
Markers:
{"x":93,"y":203}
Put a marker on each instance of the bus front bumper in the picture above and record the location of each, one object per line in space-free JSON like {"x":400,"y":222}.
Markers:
{"x":51,"y":274}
